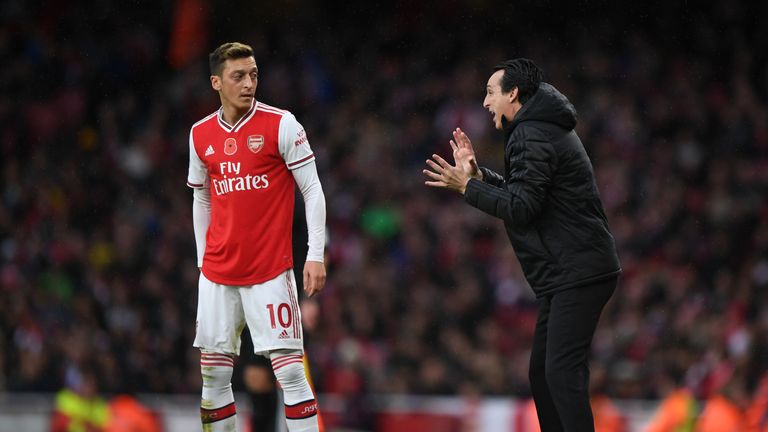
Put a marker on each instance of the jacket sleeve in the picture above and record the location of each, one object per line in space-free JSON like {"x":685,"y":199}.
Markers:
{"x":492,"y":177}
{"x":518,"y":200}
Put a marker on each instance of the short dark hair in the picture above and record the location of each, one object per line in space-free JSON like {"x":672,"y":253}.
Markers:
{"x":521,"y":73}
{"x":226,"y":51}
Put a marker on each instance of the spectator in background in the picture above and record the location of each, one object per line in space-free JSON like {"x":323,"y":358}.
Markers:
{"x":608,"y":417}
{"x":724,"y":410}
{"x":79,"y":407}
{"x":756,"y":415}
{"x":678,"y":409}
{"x":127,"y":414}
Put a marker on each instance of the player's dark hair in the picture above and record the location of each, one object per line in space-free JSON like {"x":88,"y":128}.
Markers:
{"x":521,"y":73}
{"x":226,"y":51}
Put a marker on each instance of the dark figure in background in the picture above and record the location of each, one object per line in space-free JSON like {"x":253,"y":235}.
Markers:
{"x":554,"y":218}
{"x":259,"y":385}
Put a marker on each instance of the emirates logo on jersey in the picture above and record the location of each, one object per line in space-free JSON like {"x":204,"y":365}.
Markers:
{"x":230,"y":146}
{"x":255,"y":143}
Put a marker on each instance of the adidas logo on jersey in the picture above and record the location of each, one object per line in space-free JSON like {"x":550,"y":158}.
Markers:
{"x":209,"y":151}
{"x":284,"y":335}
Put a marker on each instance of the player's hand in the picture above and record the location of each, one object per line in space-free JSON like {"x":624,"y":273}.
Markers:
{"x":464,"y":154}
{"x":314,"y":277}
{"x":445,"y":175}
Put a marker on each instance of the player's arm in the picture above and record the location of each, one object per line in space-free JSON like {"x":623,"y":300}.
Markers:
{"x":298,"y":156}
{"x":201,"y":219}
{"x":492,"y":177}
{"x":314,"y":204}
{"x":197,"y":179}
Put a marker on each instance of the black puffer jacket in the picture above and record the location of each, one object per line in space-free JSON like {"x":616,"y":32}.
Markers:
{"x":548,"y":198}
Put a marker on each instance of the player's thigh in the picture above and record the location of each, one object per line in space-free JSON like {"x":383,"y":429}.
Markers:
{"x":272,"y":313}
{"x":574,"y":315}
{"x":220,"y":317}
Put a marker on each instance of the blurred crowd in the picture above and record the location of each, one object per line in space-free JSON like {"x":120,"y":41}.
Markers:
{"x":424,"y":294}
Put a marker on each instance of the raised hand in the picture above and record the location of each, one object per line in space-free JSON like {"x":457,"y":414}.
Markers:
{"x":464,"y":154}
{"x":445,"y":175}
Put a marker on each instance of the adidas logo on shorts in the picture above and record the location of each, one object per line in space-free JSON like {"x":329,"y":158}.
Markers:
{"x":283,"y":335}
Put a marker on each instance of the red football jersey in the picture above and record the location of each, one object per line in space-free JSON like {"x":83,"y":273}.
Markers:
{"x":247,"y":167}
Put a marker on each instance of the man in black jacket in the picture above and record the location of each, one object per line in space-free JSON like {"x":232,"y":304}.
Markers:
{"x":555,"y":221}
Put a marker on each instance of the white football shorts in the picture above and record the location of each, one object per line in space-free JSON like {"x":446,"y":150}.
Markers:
{"x":271,"y":310}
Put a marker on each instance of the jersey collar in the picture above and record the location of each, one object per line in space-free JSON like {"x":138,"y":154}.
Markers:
{"x":236,"y":127}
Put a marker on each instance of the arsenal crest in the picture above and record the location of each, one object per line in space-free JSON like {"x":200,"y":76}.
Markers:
{"x":255,"y":143}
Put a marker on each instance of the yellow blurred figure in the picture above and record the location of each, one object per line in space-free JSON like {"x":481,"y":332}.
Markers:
{"x":79,"y":408}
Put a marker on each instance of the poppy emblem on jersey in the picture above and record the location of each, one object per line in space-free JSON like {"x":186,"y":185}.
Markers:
{"x":255,"y":143}
{"x":230,"y":146}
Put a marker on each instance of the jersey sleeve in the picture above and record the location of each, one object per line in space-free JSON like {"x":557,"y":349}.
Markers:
{"x":293,"y":143}
{"x":314,"y":206}
{"x":197,"y":177}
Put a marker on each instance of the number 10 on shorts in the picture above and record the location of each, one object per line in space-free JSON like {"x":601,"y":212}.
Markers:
{"x":283,"y":315}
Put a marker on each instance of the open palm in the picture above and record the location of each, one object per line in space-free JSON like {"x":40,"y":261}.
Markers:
{"x":464,"y":154}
